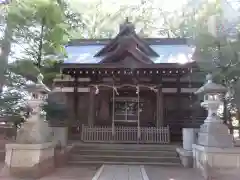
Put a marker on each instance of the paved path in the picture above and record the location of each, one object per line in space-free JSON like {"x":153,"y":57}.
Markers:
{"x":172,"y":173}
{"x":121,"y":172}
{"x":181,"y":173}
{"x":125,"y":172}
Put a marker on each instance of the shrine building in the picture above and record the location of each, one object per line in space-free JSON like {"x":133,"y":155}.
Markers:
{"x":130,"y":89}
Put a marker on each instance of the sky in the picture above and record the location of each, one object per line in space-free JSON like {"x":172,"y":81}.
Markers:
{"x":167,"y":5}
{"x":3,"y":1}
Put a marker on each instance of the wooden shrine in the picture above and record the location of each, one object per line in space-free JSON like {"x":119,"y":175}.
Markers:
{"x":130,"y":89}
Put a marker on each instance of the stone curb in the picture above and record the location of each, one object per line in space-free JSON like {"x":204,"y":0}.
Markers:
{"x":144,"y":173}
{"x":98,"y":173}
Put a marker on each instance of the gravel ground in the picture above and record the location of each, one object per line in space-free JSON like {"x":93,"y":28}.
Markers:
{"x":66,"y":173}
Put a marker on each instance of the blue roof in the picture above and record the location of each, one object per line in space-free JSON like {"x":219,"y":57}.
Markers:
{"x":83,"y":54}
{"x":173,"y":53}
{"x":167,"y":53}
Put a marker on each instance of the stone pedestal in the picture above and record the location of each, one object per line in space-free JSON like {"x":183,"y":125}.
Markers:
{"x":215,"y":134}
{"x":29,"y":160}
{"x":212,"y":161}
{"x":186,"y":157}
{"x":60,"y":135}
{"x":237,"y":142}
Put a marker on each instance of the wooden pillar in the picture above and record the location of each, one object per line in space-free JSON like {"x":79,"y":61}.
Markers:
{"x":159,"y":110}
{"x":91,"y":109}
{"x":179,"y":112}
{"x":75,"y":99}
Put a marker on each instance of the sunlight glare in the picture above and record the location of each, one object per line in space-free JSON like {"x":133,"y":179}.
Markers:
{"x":4,"y":88}
{"x":182,"y":59}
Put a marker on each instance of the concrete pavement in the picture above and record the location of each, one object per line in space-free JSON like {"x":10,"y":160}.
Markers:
{"x":121,"y":172}
{"x":129,"y":172}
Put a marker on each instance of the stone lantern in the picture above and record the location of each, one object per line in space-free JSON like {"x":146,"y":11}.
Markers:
{"x":214,"y":153}
{"x":35,"y":129}
{"x":32,"y":155}
{"x":213,"y":133}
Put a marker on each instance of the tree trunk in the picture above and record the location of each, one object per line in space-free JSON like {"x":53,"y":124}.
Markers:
{"x":40,"y":47}
{"x":225,"y":119}
{"x":5,"y":51}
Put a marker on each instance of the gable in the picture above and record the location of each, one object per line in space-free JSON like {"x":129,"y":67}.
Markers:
{"x":127,"y":30}
{"x":141,"y":44}
{"x":126,"y":47}
{"x":121,"y":54}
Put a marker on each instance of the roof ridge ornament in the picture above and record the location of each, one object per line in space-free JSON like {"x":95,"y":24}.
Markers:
{"x":127,"y":25}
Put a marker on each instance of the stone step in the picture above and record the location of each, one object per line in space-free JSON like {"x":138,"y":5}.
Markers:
{"x":146,"y":147}
{"x":108,"y":158}
{"x":95,"y":163}
{"x":121,"y":152}
{"x":150,"y":154}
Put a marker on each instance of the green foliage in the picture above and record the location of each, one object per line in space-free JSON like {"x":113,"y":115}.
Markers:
{"x":42,"y":28}
{"x":25,"y":68}
{"x":56,"y":112}
{"x":150,"y":18}
{"x":220,"y":56}
{"x":47,"y":26}
{"x":13,"y":99}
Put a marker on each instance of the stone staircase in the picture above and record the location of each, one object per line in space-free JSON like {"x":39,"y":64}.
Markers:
{"x":127,"y":154}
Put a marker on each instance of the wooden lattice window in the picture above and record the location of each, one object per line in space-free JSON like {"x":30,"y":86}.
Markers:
{"x":126,"y":109}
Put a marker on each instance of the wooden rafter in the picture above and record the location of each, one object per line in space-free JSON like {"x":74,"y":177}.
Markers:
{"x":99,"y":66}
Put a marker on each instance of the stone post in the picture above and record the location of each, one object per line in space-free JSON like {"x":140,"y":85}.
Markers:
{"x":32,"y":155}
{"x":189,"y":138}
{"x":185,"y":153}
{"x":60,"y":134}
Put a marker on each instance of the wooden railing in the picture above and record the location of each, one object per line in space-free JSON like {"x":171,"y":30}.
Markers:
{"x":126,"y":134}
